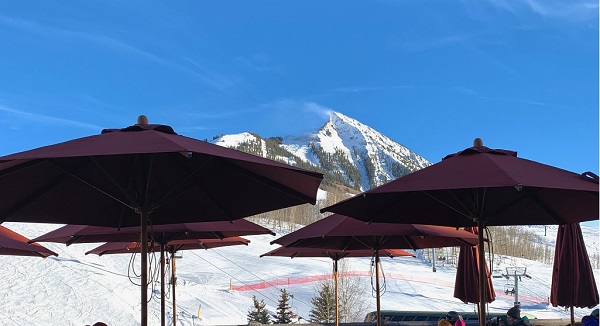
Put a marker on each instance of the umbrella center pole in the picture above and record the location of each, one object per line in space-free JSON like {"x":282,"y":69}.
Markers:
{"x":377,"y":290}
{"x":335,"y":280}
{"x":173,"y":282}
{"x":482,"y":273}
{"x":144,"y":215}
{"x":163,"y":317}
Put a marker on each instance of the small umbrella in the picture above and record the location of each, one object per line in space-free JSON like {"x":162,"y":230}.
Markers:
{"x":479,"y":187}
{"x":344,"y":233}
{"x":70,"y":234}
{"x":14,"y":244}
{"x":467,"y":275}
{"x":335,"y":255}
{"x":145,"y":174}
{"x":573,"y":282}
{"x":172,"y":247}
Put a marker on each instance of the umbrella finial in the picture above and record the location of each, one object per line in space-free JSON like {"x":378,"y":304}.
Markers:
{"x":477,"y":142}
{"x":142,"y":120}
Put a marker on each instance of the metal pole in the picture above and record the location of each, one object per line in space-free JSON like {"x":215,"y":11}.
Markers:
{"x":173,"y":281}
{"x":482,"y":274}
{"x":335,"y":280}
{"x":516,"y":289}
{"x":377,"y":285}
{"x":144,"y":288}
{"x":163,"y":314}
{"x":433,"y":258}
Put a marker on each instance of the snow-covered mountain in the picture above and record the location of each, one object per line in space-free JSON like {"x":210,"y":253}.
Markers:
{"x":348,"y":152}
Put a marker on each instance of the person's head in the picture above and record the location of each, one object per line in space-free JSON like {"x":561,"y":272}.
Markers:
{"x":513,"y":314}
{"x":594,"y":313}
{"x":444,"y":322}
{"x":453,"y":316}
{"x":99,"y":324}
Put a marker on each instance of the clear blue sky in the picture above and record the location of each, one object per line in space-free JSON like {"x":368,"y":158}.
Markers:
{"x":432,"y":75}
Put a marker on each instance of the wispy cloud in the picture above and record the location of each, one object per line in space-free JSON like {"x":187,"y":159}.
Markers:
{"x":210,"y":78}
{"x":46,"y":119}
{"x":360,"y":89}
{"x":260,"y":63}
{"x":574,"y":10}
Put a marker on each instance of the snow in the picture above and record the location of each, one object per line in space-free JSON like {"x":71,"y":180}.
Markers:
{"x":75,"y":289}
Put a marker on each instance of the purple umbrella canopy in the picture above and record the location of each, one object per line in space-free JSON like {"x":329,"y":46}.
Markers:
{"x":573,"y":282}
{"x":14,"y":244}
{"x":480,"y":187}
{"x":142,"y":175}
{"x":344,"y":233}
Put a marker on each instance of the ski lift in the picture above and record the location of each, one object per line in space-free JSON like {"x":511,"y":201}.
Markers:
{"x":509,"y":289}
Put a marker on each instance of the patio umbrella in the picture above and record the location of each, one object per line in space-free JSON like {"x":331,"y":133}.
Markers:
{"x":467,"y":275}
{"x":172,"y":247}
{"x":162,"y":235}
{"x":344,"y":233}
{"x":335,"y":255}
{"x":145,"y":174}
{"x":573,"y":282}
{"x":14,"y":244}
{"x":479,"y":187}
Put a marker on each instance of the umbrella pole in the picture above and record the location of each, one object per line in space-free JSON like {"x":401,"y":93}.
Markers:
{"x":144,"y":230}
{"x":173,"y":281}
{"x":572,"y":317}
{"x":482,"y":274}
{"x":377,"y":285}
{"x":162,"y":285}
{"x":335,"y":280}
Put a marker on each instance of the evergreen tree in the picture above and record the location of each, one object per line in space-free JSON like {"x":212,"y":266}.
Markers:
{"x":284,"y":314}
{"x":258,"y":314}
{"x":323,"y":305}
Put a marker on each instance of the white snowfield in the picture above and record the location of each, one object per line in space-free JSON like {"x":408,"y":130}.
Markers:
{"x":79,"y":289}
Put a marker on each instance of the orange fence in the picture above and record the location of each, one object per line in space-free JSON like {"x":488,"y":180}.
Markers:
{"x":393,"y":276}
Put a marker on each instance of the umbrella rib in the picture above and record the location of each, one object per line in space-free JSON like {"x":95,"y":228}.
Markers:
{"x":96,"y":188}
{"x":448,"y":205}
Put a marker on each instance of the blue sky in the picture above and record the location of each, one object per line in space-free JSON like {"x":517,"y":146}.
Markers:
{"x":432,"y":75}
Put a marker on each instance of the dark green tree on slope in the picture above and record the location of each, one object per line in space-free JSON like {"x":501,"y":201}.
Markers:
{"x":258,"y":313}
{"x":323,"y":305}
{"x":284,"y":314}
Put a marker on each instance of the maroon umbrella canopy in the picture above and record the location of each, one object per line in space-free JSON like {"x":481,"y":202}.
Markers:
{"x":70,"y":234}
{"x":467,"y":275}
{"x":573,"y":282}
{"x":145,"y":174}
{"x":479,"y":183}
{"x":479,"y":187}
{"x":345,"y":233}
{"x":14,"y":244}
{"x":105,"y":180}
{"x":172,"y":246}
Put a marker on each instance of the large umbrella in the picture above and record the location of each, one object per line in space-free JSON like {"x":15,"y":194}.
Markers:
{"x":172,"y":247}
{"x":479,"y":186}
{"x":162,"y":235}
{"x":130,"y":176}
{"x":467,"y":275}
{"x":573,"y":282}
{"x":335,"y":255}
{"x":344,"y":233}
{"x":14,"y":244}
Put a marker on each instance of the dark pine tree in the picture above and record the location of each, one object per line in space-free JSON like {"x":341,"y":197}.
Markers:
{"x":258,"y":313}
{"x":323,"y":305}
{"x":284,"y":314}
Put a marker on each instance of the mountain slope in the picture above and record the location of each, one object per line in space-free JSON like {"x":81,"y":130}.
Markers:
{"x":348,"y":152}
